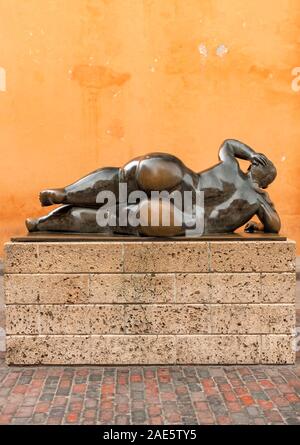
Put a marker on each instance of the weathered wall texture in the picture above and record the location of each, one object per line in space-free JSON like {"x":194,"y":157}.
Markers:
{"x":86,"y":83}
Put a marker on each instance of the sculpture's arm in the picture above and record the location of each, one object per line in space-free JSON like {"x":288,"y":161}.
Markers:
{"x":232,"y":148}
{"x":267,"y":215}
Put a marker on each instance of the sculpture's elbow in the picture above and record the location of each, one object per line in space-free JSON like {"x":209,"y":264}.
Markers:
{"x":274,"y":225}
{"x":277,"y":225}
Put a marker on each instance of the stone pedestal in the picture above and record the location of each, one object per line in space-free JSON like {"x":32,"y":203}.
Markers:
{"x":150,"y":302}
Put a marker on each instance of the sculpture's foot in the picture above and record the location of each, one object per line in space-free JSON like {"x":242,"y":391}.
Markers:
{"x":50,"y":197}
{"x":31,"y":224}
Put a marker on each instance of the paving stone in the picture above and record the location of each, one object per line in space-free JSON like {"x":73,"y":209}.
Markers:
{"x":151,"y":395}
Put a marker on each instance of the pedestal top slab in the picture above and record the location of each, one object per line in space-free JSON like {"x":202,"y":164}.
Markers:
{"x":67,"y":237}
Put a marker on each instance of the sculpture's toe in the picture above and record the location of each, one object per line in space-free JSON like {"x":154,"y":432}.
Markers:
{"x":31,"y":224}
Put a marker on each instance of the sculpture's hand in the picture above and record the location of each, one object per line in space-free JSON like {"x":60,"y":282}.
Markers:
{"x":259,"y":158}
{"x":251,"y":227}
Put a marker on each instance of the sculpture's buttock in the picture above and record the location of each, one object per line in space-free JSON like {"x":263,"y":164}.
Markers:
{"x":159,"y":173}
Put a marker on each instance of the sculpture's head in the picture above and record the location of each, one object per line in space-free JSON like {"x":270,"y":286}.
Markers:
{"x":262,"y":175}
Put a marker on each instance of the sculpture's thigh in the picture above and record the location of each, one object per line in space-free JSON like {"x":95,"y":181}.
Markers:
{"x":85,"y":191}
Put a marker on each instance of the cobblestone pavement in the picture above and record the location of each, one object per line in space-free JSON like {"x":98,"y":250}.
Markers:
{"x":150,"y":395}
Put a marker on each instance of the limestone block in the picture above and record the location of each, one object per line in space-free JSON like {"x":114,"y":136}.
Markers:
{"x":47,"y":350}
{"x":251,"y":256}
{"x":277,"y":256}
{"x":193,"y":288}
{"x":65,"y":319}
{"x":76,"y":257}
{"x":94,"y":350}
{"x":247,"y":349}
{"x":46,"y":288}
{"x":133,"y":349}
{"x":278,"y":287}
{"x":21,"y":258}
{"x":252,"y":319}
{"x":235,"y":287}
{"x":167,"y":319}
{"x":165,"y":256}
{"x":277,"y":349}
{"x":279,"y":318}
{"x":132,"y":288}
{"x":217,"y":349}
{"x":22,"y":319}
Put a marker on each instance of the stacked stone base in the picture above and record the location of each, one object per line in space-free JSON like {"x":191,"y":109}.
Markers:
{"x":166,"y":302}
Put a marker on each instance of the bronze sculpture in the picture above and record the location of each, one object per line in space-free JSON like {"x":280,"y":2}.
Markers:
{"x":231,"y":196}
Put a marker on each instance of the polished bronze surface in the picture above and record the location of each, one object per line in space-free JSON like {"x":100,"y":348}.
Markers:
{"x":231,"y":197}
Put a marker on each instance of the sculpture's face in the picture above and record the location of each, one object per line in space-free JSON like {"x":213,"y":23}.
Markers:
{"x":263,"y":175}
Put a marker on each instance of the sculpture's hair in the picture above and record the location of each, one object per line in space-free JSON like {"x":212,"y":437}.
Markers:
{"x":263,"y":174}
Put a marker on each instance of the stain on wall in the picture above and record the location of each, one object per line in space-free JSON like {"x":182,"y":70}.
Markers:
{"x":93,"y":79}
{"x":2,"y":79}
{"x":95,"y":83}
{"x":97,"y":77}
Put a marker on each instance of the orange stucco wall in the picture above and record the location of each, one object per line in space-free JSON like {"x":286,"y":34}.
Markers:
{"x":95,"y":82}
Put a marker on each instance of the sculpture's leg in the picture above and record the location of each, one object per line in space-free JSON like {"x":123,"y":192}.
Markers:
{"x":84,"y":191}
{"x":67,"y":219}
